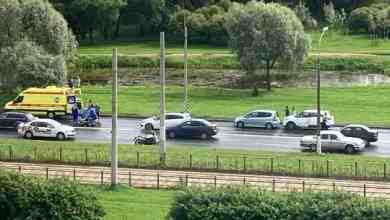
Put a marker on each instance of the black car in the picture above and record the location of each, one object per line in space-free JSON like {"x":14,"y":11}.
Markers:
{"x":11,"y":120}
{"x":360,"y":131}
{"x":193,"y":128}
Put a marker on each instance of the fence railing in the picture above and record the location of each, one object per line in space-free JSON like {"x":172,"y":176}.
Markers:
{"x":159,"y":179}
{"x":220,"y":162}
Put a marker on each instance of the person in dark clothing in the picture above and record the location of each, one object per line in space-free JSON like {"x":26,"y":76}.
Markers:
{"x":75,"y":115}
{"x":287,"y":111}
{"x":70,"y":83}
{"x":97,"y":106}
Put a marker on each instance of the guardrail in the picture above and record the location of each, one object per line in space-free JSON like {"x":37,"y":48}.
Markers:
{"x":159,"y":179}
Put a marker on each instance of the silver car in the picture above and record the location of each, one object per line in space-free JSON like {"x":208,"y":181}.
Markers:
{"x":260,"y":118}
{"x":333,"y":141}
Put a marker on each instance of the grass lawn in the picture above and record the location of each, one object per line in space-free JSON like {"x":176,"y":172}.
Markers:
{"x":179,"y":157}
{"x":334,"y":42}
{"x":126,"y":203}
{"x":365,"y":105}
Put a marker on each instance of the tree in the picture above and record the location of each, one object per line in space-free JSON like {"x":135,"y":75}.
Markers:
{"x":263,"y":34}
{"x":36,"y":45}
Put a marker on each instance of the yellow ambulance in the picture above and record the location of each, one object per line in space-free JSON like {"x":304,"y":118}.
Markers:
{"x":51,"y":100}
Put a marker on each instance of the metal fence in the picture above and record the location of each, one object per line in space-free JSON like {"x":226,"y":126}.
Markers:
{"x":224,"y":162}
{"x":159,"y":179}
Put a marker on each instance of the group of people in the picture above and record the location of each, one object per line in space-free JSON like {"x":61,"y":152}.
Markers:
{"x":74,"y":82}
{"x":88,"y":115}
{"x":287,"y":111}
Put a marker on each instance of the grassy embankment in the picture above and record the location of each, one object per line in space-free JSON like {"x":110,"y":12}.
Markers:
{"x":126,"y":203}
{"x":179,"y":157}
{"x":340,"y":53}
{"x":366,"y":105}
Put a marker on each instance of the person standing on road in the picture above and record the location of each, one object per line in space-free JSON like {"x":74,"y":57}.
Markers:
{"x":287,"y":112}
{"x":75,"y":115}
{"x":77,"y":82}
{"x":97,"y":106}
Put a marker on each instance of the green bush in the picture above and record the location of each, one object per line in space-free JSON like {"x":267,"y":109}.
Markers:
{"x":248,"y":204}
{"x":210,"y":61}
{"x":24,"y":197}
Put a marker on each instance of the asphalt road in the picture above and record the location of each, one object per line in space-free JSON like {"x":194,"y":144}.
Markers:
{"x":228,"y":137}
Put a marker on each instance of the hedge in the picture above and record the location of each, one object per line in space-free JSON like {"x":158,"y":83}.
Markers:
{"x":254,"y":204}
{"x":24,"y":197}
{"x":208,"y":61}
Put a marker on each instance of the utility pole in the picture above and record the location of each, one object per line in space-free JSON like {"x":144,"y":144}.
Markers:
{"x":185,"y":107}
{"x":114,"y":134}
{"x":318,"y":93}
{"x":162,"y":101}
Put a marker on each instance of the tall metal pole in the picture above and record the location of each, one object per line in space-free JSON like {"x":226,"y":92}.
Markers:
{"x":319,"y":150}
{"x":162,"y":101}
{"x":185,"y":69}
{"x":114,"y":137}
{"x":318,"y":107}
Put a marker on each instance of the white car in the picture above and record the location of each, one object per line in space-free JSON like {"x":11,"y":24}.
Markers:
{"x":171,"y":119}
{"x":333,"y":141}
{"x":46,"y":128}
{"x":308,"y":119}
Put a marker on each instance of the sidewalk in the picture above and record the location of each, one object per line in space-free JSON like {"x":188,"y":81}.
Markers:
{"x":158,"y":179}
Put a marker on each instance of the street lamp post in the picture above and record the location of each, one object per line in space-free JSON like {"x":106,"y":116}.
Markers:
{"x":318,"y":93}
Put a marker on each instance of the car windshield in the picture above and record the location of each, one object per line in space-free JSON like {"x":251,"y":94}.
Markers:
{"x":30,"y":117}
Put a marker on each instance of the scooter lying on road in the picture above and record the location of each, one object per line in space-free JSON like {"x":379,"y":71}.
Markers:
{"x":147,"y":138}
{"x":89,"y":119}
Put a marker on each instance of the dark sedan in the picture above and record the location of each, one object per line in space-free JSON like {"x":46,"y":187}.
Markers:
{"x":11,"y":120}
{"x":193,"y":128}
{"x":360,"y":131}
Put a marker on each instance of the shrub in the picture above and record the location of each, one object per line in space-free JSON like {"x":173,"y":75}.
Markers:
{"x":24,"y":197}
{"x":248,"y":204}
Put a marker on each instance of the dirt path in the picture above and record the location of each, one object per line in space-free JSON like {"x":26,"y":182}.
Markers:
{"x":168,"y":179}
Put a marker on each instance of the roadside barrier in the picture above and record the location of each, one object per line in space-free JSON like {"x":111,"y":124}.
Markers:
{"x":234,"y":163}
{"x":164,"y":179}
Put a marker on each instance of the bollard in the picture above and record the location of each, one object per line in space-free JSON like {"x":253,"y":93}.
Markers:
{"x":327,"y":168}
{"x":364,"y":190}
{"x":356,"y":168}
{"x":158,"y":180}
{"x":74,"y":174}
{"x":138,"y":165}
{"x":130,"y":179}
{"x":244,"y":181}
{"x":86,"y":156}
{"x":384,"y":171}
{"x":334,"y":186}
{"x":272,"y":165}
{"x":47,"y":173}
{"x":215,"y":181}
{"x":186,"y":180}
{"x":20,"y":169}
{"x":299,"y":167}
{"x":217,"y":162}
{"x":101,"y":177}
{"x":303,"y":186}
{"x":244,"y":161}
{"x":273,"y":185}
{"x":190,"y":160}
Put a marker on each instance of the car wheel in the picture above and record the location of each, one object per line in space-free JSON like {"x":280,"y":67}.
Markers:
{"x":204,"y":136}
{"x":240,"y":124}
{"x":51,"y":115}
{"x":172,"y":134}
{"x":291,"y":125}
{"x":149,"y":127}
{"x":349,"y":149}
{"x":61,"y":136}
{"x":269,"y":126}
{"x":28,"y":135}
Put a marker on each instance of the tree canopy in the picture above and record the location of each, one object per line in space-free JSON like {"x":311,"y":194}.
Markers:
{"x":263,"y":34}
{"x":35,"y":45}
